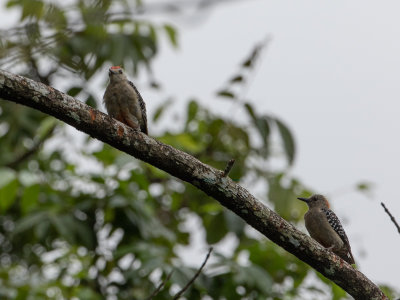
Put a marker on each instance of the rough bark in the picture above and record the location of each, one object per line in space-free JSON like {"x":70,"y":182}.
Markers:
{"x":187,"y":168}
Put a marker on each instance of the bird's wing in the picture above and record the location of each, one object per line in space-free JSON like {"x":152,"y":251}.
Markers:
{"x":336,"y":225}
{"x":142,"y":107}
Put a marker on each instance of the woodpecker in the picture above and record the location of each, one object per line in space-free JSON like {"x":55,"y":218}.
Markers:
{"x":325,"y":227}
{"x":124,"y":102}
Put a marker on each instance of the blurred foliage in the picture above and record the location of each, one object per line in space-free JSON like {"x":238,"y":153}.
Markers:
{"x":116,"y":229}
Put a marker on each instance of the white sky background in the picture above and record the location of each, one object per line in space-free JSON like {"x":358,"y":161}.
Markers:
{"x":332,"y":73}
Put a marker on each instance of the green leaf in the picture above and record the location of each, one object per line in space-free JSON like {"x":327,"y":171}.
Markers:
{"x":284,"y":196}
{"x":254,"y":276}
{"x":234,"y":223}
{"x":215,"y":227}
{"x":264,"y":130}
{"x":64,"y":225}
{"x":172,"y":34}
{"x":211,"y":208}
{"x":42,"y":228}
{"x":152,"y":33}
{"x":107,"y":155}
{"x":262,"y":125}
{"x":91,"y":101}
{"x":12,"y":3}
{"x":30,"y":198}
{"x":8,"y":188}
{"x":250,"y":61}
{"x":84,"y":233}
{"x":55,"y":16}
{"x":237,"y":78}
{"x":155,"y":85}
{"x":32,"y":8}
{"x":182,"y":275}
{"x":74,"y":91}
{"x":388,"y":291}
{"x":30,"y":221}
{"x":183,"y":141}
{"x":338,"y":292}
{"x":288,"y":141}
{"x":159,"y":111}
{"x":364,"y":186}
{"x":193,"y":108}
{"x":46,"y":126}
{"x":226,"y":94}
{"x":251,"y":112}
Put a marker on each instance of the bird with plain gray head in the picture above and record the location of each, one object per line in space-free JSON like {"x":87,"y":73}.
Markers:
{"x":124,"y":102}
{"x":324,"y":227}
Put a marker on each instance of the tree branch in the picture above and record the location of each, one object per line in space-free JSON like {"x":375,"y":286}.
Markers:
{"x":229,"y":166}
{"x":391,"y":217}
{"x":160,"y":287}
{"x":194,"y":277}
{"x":187,"y":168}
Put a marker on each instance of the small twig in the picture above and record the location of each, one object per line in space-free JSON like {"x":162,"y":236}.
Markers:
{"x":228,"y":167}
{"x":391,"y":217}
{"x":160,"y":287}
{"x":195,"y":276}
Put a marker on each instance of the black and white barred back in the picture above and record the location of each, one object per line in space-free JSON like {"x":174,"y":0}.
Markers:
{"x":336,"y":225}
{"x":142,"y":107}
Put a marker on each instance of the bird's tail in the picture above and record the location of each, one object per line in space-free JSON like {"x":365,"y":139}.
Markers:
{"x":350,"y":258}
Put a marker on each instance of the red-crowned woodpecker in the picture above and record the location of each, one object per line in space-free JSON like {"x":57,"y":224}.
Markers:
{"x":325,"y":227}
{"x":124,"y":102}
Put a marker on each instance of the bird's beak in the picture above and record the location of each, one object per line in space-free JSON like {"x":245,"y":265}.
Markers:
{"x":303,"y":199}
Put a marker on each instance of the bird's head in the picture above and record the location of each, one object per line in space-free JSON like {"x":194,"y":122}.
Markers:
{"x":116,"y":73}
{"x":316,"y":201}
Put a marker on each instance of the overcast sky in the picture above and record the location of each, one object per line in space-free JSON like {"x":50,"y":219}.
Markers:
{"x":332,"y":73}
